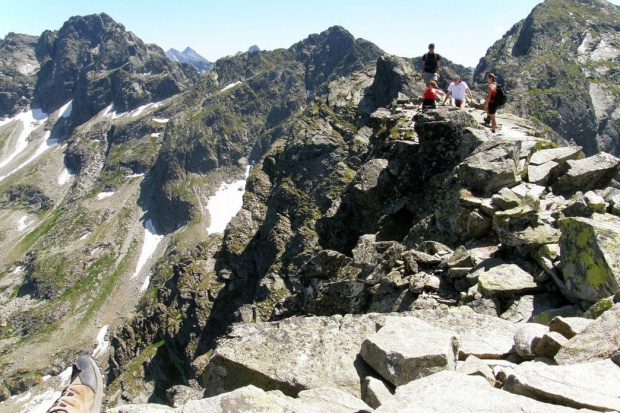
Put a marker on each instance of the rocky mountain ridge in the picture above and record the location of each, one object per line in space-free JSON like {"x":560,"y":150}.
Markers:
{"x":504,"y":269}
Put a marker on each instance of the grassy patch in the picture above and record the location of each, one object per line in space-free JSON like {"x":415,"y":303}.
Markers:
{"x":4,"y":137}
{"x":112,"y":178}
{"x":106,"y":287}
{"x":29,"y":240}
{"x":133,"y":374}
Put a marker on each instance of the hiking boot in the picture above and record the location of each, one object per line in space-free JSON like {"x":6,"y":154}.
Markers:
{"x":85,"y":392}
{"x":487,"y":120}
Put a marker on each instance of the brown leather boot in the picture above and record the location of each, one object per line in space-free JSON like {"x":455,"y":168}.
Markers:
{"x":85,"y":393}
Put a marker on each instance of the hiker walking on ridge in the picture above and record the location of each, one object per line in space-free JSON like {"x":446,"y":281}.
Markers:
{"x":430,"y":95}
{"x":430,"y":65}
{"x":458,"y":89}
{"x":490,"y":105}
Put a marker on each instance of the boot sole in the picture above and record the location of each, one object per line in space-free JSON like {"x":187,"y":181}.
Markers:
{"x":99,"y":393}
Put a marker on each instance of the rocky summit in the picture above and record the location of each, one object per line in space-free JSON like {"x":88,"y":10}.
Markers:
{"x":383,"y":258}
{"x":190,"y":56}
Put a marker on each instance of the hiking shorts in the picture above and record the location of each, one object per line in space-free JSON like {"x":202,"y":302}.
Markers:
{"x":492,"y":108}
{"x":429,"y":104}
{"x":428,"y":76}
{"x":458,"y":102}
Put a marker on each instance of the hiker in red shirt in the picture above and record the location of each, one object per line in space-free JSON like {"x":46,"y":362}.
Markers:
{"x":431,"y":93}
{"x":490,"y":106}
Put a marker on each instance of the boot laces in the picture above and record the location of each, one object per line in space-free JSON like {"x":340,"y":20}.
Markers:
{"x":67,"y":400}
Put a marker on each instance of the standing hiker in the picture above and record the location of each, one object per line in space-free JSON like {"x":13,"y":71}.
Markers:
{"x":458,"y":89}
{"x":490,"y":105}
{"x":430,"y":65}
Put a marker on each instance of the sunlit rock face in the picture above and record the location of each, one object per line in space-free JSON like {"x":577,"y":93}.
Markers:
{"x":560,"y":66}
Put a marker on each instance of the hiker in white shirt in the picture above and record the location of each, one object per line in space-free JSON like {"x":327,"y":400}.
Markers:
{"x":458,"y":89}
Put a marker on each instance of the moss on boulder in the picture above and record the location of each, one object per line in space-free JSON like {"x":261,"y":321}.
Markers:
{"x":590,"y":249}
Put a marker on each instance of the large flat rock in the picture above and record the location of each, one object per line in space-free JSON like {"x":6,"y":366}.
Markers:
{"x":488,"y":171}
{"x":292,"y":355}
{"x":451,"y":392}
{"x":480,"y":335}
{"x":599,"y":339}
{"x":407,"y":348}
{"x":583,"y":175}
{"x":308,"y":352}
{"x":541,"y":174}
{"x":559,"y":155}
{"x":505,"y":279}
{"x":588,"y":385}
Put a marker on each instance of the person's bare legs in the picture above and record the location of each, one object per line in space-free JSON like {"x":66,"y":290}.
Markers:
{"x":493,"y":123}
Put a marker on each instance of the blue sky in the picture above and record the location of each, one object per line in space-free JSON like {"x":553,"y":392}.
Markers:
{"x":462,"y":30}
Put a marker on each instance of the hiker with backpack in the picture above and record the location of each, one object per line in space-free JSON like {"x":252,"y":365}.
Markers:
{"x":458,"y":89}
{"x":495,"y":98}
{"x":430,"y":65}
{"x":430,"y":94}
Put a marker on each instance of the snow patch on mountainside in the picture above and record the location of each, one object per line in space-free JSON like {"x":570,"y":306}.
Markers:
{"x":46,"y":143}
{"x":103,"y":195}
{"x":151,"y":240}
{"x":230,"y":86}
{"x":109,"y":112}
{"x":225,"y":204}
{"x":64,"y":176}
{"x":30,"y":121}
{"x":102,"y":343}
{"x":66,"y":109}
{"x":145,"y":284}
{"x":138,"y":111}
{"x":23,"y":223}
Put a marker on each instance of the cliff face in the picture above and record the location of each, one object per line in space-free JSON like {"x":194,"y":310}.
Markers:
{"x":18,"y":68}
{"x":560,"y":66}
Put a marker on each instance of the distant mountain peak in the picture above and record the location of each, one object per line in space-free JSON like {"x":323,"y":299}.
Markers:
{"x":92,"y":24}
{"x":191,"y":57}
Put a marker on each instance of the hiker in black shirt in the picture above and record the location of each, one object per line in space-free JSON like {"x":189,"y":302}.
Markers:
{"x":430,"y":65}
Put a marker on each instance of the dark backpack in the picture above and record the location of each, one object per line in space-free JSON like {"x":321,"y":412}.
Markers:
{"x":429,"y":65}
{"x":500,"y":95}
